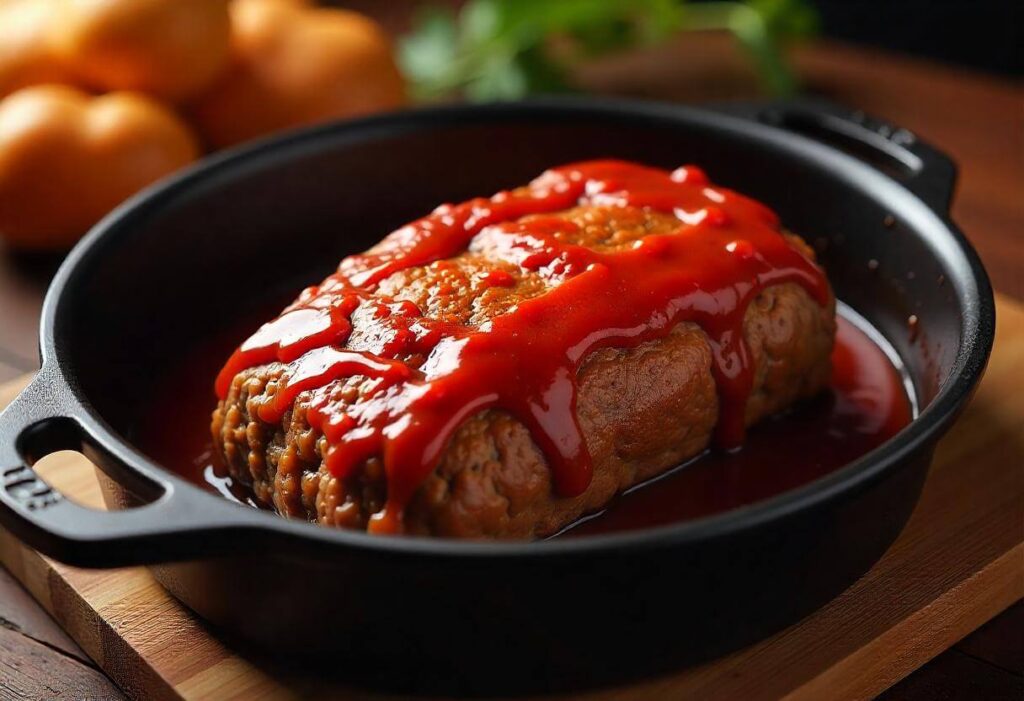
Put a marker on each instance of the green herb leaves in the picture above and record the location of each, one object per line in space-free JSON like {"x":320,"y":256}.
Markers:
{"x":505,"y":49}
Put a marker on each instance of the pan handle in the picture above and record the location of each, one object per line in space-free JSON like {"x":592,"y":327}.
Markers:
{"x":898,"y":152}
{"x":175,"y":524}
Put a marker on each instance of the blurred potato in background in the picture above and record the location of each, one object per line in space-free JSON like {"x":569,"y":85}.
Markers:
{"x":230,"y":70}
{"x":168,"y":48}
{"x":296,"y":64}
{"x":26,"y":54}
{"x":67,"y":158}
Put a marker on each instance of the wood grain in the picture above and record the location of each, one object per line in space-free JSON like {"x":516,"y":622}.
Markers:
{"x":31,"y":670}
{"x":1000,"y":642}
{"x":18,"y":614}
{"x":976,"y":119}
{"x":987,"y":664}
{"x":959,"y":562}
{"x":958,"y":677}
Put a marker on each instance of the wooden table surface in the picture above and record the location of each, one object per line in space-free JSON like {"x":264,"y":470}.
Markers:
{"x":976,"y":119}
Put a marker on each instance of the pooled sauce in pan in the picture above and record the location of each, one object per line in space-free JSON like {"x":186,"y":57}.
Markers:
{"x":430,"y":375}
{"x":866,"y":403}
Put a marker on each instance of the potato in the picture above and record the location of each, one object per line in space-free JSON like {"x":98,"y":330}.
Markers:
{"x":67,"y":158}
{"x":296,"y":64}
{"x":168,"y":48}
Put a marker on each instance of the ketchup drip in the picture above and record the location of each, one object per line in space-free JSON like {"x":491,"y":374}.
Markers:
{"x":726,"y":250}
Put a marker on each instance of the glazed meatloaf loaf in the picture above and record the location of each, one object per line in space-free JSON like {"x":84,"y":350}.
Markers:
{"x":646,"y":315}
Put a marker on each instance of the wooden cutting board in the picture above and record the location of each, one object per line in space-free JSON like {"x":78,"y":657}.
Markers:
{"x":959,"y":562}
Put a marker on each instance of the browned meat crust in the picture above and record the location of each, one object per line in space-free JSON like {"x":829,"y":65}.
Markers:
{"x":642,"y":410}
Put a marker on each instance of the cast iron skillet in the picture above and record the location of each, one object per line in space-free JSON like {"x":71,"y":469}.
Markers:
{"x":164,"y":271}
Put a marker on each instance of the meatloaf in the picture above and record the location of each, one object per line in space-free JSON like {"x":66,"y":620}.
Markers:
{"x":641,"y":409}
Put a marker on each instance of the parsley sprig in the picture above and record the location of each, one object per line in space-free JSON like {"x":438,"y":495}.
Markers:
{"x":505,"y":49}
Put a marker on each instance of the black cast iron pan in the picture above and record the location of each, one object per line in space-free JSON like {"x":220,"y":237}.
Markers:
{"x":166,"y":270}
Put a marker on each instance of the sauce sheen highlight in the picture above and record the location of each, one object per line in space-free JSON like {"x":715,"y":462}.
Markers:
{"x":727,"y":248}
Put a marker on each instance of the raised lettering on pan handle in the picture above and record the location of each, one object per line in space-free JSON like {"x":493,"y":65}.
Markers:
{"x":174,"y":523}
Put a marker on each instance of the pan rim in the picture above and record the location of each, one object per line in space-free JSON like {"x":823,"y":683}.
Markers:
{"x":970,"y":284}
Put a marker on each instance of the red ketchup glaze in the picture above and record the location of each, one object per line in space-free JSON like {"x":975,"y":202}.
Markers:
{"x":726,"y":250}
{"x":866,"y":404}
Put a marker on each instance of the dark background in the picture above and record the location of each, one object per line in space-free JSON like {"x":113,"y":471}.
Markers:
{"x":985,"y":34}
{"x":981,"y":34}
